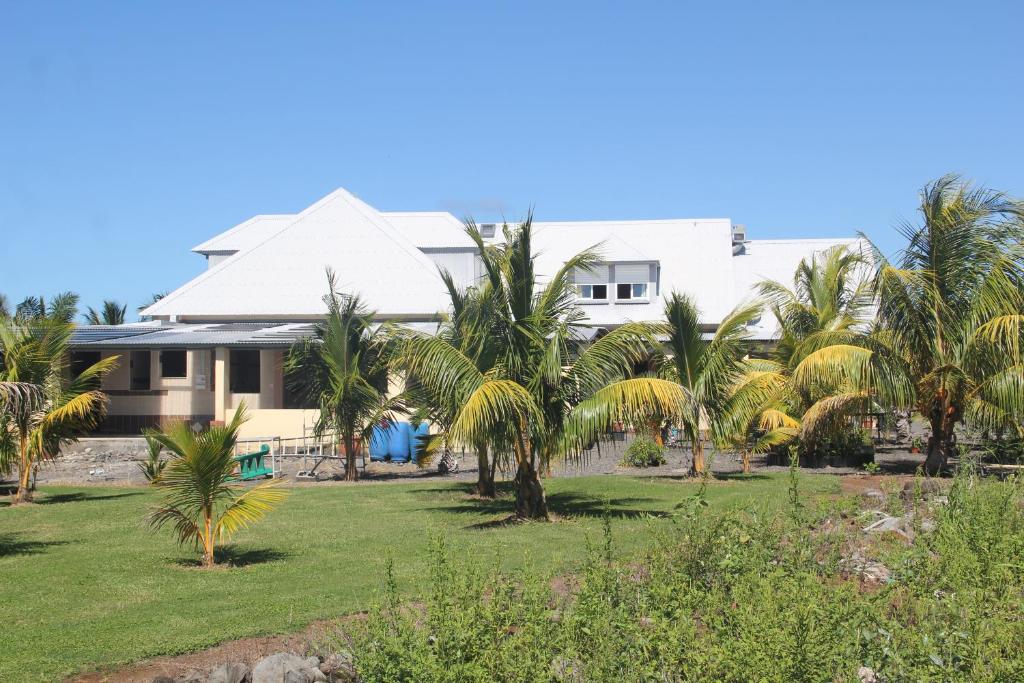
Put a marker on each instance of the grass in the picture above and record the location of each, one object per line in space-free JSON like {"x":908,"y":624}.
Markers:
{"x":87,"y":585}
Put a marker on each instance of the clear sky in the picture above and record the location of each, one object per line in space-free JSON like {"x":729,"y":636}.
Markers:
{"x":131,"y":131}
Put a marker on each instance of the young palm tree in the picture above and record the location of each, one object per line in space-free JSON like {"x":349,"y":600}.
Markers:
{"x":706,"y":368}
{"x":33,"y":431}
{"x":199,"y":499}
{"x":755,"y":416}
{"x":110,"y":314}
{"x":547,"y":395}
{"x":952,"y":307}
{"x":343,"y":370}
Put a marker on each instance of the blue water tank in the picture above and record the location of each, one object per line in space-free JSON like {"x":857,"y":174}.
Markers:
{"x":398,"y":441}
{"x":418,"y":440}
{"x":379,"y":444}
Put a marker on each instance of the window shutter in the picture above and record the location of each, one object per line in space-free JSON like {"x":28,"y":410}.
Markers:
{"x":632,"y":273}
{"x":598,"y":276}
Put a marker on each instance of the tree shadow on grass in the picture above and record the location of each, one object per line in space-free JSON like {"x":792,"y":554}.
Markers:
{"x":229,"y":556}
{"x":82,"y":496}
{"x":560,"y":504}
{"x":16,"y":544}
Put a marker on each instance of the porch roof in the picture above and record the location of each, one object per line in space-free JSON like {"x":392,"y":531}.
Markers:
{"x":266,"y":335}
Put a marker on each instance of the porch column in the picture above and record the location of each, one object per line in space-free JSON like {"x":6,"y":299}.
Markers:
{"x":221,"y":388}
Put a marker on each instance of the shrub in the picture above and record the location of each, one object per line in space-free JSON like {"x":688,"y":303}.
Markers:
{"x":644,"y":452}
{"x":730,"y":596}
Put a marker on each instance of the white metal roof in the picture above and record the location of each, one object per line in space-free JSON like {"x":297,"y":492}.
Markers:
{"x":777,"y":260}
{"x":244,"y":235}
{"x":430,"y":229}
{"x":282,"y":276}
{"x":694,"y":255}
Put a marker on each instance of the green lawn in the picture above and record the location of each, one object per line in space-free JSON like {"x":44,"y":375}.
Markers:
{"x":86,"y":584}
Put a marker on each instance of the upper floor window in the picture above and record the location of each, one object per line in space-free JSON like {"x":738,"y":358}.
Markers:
{"x":593,"y":292}
{"x":626,"y":291}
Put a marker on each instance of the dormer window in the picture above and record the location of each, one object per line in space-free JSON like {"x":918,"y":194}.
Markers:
{"x":592,"y":292}
{"x":627,"y":291}
{"x":487,"y":230}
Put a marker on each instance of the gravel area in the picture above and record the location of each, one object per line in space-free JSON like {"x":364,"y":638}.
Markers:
{"x":115,"y":461}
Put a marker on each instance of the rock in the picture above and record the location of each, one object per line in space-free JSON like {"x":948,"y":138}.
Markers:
{"x":229,"y":673}
{"x":873,"y":498}
{"x":896,"y":525}
{"x":193,"y":676}
{"x":340,"y":666}
{"x":162,"y":679}
{"x":868,"y":570}
{"x":284,"y":667}
{"x":867,"y":675}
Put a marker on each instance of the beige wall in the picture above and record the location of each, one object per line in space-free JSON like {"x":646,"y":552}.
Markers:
{"x":189,"y":395}
{"x":276,"y":422}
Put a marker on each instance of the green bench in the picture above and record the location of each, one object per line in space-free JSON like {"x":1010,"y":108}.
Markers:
{"x":250,"y":465}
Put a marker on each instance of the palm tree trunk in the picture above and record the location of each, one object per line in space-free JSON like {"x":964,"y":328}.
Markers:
{"x":940,"y":445}
{"x":24,"y":493}
{"x":484,"y":475}
{"x":698,"y":456}
{"x":351,"y":473}
{"x":745,"y":456}
{"x":531,"y":503}
{"x":208,"y":539}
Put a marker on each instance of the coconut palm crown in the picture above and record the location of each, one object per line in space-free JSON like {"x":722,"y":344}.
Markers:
{"x":951,"y":305}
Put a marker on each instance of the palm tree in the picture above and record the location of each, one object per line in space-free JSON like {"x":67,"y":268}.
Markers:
{"x":547,"y":395}
{"x":343,"y":370}
{"x":952,"y":307}
{"x":63,"y":308}
{"x":755,"y":417}
{"x":152,"y":300}
{"x":706,"y":368}
{"x":33,"y":431}
{"x":110,"y":314}
{"x":466,"y":327}
{"x":5,"y":307}
{"x":199,"y":499}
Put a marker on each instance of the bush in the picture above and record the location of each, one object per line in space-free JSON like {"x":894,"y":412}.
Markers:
{"x":730,"y":597}
{"x":644,"y":452}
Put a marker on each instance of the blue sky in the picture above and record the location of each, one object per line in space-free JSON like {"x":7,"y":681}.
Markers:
{"x":129,"y":132}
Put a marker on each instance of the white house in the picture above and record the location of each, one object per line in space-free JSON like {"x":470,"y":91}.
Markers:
{"x":221,"y":337}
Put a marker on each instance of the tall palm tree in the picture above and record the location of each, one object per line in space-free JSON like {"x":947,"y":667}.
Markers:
{"x":951,"y":306}
{"x":33,"y":431}
{"x":5,"y":307}
{"x":343,"y":370}
{"x":706,"y":368}
{"x":110,"y":314}
{"x":466,"y":327}
{"x":199,"y":499}
{"x":548,"y":395}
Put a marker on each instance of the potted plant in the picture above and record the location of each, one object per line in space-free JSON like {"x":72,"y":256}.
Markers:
{"x":915,"y":445}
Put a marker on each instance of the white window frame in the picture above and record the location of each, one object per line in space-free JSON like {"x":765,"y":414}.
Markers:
{"x":645,"y":297}
{"x":582,"y":297}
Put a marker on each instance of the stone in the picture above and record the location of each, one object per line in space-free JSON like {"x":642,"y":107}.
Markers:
{"x":867,"y":675}
{"x":229,"y":673}
{"x":193,"y":676}
{"x":873,"y":498}
{"x":162,"y":679}
{"x":340,"y":666}
{"x":285,"y":667}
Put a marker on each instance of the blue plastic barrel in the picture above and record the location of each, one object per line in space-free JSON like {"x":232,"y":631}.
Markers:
{"x":418,"y":440}
{"x":398,"y":441}
{"x":379,"y":444}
